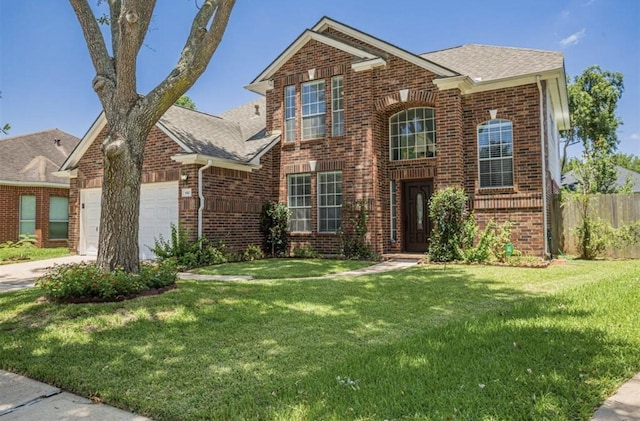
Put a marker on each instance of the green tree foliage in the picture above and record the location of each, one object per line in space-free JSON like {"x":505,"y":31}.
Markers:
{"x":186,"y":102}
{"x":353,"y":233}
{"x":628,"y":161}
{"x":593,"y":99}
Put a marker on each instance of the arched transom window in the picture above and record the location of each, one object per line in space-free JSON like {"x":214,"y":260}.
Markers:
{"x":495,"y":153}
{"x":412,"y":134}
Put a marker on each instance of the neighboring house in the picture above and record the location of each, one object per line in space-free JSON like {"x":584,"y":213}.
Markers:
{"x":350,"y":117}
{"x":570,"y":180}
{"x":32,"y":200}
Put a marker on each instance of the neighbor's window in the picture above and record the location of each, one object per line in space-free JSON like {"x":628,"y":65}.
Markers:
{"x":337,"y":106}
{"x":329,"y":201}
{"x":27,"y":215}
{"x":58,"y":218}
{"x":290,"y":113}
{"x":412,"y":134}
{"x":299,"y":202}
{"x":313,"y":110}
{"x":495,"y":153}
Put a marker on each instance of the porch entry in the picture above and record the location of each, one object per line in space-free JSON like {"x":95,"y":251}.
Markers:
{"x":417,"y":225}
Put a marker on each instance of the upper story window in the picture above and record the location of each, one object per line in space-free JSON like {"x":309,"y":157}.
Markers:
{"x":412,"y":134}
{"x":313,"y":110}
{"x":290,"y":113}
{"x":495,"y":153}
{"x":337,"y":106}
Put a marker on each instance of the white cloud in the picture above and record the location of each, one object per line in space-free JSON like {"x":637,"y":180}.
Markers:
{"x":565,"y":13}
{"x":574,"y":38}
{"x":634,"y":136}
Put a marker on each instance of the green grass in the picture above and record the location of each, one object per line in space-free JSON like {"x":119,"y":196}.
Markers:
{"x":19,"y":254}
{"x":461,"y":342}
{"x":284,"y":268}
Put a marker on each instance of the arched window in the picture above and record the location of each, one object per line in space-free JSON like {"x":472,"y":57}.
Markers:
{"x":495,"y":153}
{"x":412,"y":134}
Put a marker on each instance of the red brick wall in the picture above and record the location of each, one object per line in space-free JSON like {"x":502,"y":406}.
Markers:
{"x":370,"y":98}
{"x":10,"y":211}
{"x":522,"y":203}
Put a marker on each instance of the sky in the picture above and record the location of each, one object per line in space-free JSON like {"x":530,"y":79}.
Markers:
{"x":46,"y":72}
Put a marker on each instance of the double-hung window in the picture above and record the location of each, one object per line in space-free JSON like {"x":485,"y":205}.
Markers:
{"x":337,"y":106}
{"x":27,"y":215}
{"x":290,"y":113}
{"x":495,"y":153}
{"x":299,"y":202}
{"x":329,"y":201}
{"x":313,"y":110}
{"x":58,"y":218}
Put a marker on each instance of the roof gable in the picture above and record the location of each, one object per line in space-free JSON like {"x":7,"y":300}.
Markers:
{"x":363,"y":59}
{"x":33,"y":159}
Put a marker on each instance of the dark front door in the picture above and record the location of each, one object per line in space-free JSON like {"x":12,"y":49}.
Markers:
{"x":417,"y":225}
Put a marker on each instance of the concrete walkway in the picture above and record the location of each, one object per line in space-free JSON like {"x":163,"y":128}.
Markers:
{"x":24,"y":399}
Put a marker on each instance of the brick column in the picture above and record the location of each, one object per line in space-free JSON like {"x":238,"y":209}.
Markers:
{"x":449,"y":140}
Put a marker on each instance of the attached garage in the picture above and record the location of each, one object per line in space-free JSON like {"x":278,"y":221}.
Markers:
{"x":158,"y":210}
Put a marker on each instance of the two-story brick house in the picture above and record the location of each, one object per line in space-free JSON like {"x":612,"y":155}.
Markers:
{"x":346,"y":117}
{"x":363,"y":119}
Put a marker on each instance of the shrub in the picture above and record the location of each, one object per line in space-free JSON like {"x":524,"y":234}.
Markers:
{"x":274,"y":227}
{"x":450,"y":235}
{"x":251,"y":253}
{"x":491,"y":244}
{"x":306,"y":252}
{"x":353,"y":232}
{"x":87,"y":280}
{"x":189,"y":254}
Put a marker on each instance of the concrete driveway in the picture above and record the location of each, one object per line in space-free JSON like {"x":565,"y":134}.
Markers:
{"x":17,"y":276}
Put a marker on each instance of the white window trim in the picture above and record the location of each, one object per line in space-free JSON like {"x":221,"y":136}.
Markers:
{"x":289,"y":177}
{"x":307,"y":117}
{"x":320,"y":174}
{"x":513,"y":176}
{"x":337,"y":84}
{"x":289,"y":135}
{"x":426,"y":145}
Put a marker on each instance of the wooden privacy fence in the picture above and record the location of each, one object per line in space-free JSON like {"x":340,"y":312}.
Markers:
{"x":617,"y":209}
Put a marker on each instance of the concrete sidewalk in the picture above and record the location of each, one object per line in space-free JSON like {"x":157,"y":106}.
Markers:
{"x":28,"y":400}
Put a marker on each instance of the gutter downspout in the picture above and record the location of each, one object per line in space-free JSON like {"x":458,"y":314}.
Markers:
{"x":544,"y":171}
{"x":201,"y":196}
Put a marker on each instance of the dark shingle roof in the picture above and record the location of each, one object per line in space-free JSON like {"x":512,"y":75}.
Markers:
{"x":237,"y":134}
{"x":486,"y":62}
{"x":32,"y":158}
{"x":570,"y":180}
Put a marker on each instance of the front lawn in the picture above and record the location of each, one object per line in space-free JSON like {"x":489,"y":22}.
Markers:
{"x":284,"y":268}
{"x":22,"y":254}
{"x":430,"y":342}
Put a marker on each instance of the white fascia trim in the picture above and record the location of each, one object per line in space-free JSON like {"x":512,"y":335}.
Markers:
{"x":260,"y":87}
{"x":384,"y":46}
{"x":34,"y":184}
{"x":168,"y":132}
{"x":368,"y":64}
{"x":303,"y":39}
{"x":469,"y":86}
{"x":256,"y":159}
{"x":85,"y":143}
{"x":67,"y":173}
{"x":200,"y":159}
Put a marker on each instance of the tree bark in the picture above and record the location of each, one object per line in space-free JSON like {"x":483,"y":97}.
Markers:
{"x":130,"y":116}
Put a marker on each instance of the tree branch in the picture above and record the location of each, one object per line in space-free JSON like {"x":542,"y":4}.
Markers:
{"x":114,"y":13}
{"x":196,"y":54}
{"x":104,"y":81}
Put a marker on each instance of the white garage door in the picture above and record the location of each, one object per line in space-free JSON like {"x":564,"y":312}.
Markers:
{"x":158,"y":210}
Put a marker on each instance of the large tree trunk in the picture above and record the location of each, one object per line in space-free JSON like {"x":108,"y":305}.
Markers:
{"x":130,"y":116}
{"x":120,"y":209}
